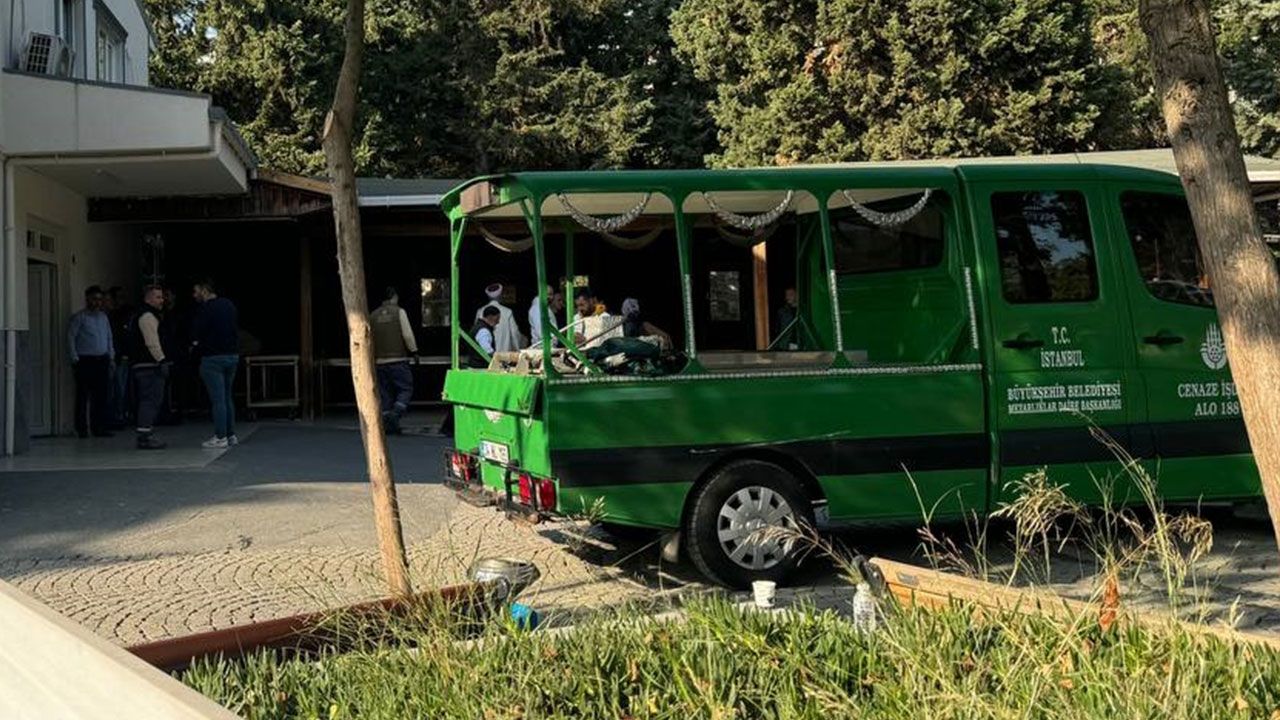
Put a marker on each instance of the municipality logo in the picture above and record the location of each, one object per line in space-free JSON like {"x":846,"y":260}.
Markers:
{"x":1213,"y":351}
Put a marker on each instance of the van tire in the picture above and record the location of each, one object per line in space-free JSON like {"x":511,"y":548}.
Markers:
{"x":711,"y":512}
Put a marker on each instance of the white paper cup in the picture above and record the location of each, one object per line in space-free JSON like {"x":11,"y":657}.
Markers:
{"x":764,"y":591}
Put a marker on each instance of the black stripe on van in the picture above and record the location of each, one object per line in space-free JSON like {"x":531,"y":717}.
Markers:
{"x":865,"y":456}
{"x":684,"y":463}
{"x":1055,"y":446}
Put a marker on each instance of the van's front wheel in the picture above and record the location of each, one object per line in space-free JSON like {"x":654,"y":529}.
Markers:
{"x":743,"y":524}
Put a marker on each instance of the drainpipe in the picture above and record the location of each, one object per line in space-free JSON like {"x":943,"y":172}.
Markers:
{"x":9,"y":251}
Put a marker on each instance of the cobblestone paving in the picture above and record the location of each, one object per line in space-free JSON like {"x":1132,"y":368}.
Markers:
{"x":136,"y":599}
{"x":140,"y":597}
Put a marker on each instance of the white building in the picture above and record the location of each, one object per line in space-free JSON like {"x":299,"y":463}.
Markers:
{"x":79,"y":120}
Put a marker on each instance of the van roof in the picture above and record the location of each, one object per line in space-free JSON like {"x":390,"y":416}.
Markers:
{"x":488,"y":194}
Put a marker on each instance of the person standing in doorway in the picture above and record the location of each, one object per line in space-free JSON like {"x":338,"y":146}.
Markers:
{"x":92,"y":349}
{"x":120,"y":311}
{"x":149,"y":366}
{"x":216,"y":341}
{"x":393,"y":343}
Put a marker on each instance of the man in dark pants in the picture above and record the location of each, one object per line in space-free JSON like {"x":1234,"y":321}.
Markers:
{"x":216,"y":340}
{"x":149,"y":366}
{"x":393,"y":343}
{"x":120,"y":312}
{"x":92,"y":349}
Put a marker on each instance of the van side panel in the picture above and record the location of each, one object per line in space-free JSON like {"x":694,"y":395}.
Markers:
{"x":858,"y":432}
{"x":1195,"y":439}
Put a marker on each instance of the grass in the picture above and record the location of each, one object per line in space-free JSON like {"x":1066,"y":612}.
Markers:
{"x":722,"y":662}
{"x":719,"y":661}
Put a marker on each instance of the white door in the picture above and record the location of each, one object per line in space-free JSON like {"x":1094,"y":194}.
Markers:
{"x":40,"y":308}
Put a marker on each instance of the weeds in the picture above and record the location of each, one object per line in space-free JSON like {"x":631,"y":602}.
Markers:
{"x":719,"y":661}
{"x":1128,"y":535}
{"x":722,"y":662}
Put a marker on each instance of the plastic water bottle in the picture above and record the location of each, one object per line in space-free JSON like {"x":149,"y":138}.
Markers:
{"x":524,"y":617}
{"x":864,"y":609}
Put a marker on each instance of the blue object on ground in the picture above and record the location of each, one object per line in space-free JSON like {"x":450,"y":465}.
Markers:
{"x":525,"y":617}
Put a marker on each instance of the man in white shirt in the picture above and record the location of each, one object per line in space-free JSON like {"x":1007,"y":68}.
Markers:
{"x":592,"y":323}
{"x":506,"y":335}
{"x":149,"y":365}
{"x":555,"y":306}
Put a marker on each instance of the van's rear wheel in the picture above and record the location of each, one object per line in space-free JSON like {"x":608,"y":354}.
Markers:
{"x":727,"y":528}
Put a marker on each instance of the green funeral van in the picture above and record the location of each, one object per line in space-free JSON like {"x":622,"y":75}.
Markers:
{"x":954,"y":327}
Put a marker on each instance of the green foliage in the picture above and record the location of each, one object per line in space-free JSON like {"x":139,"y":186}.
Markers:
{"x":722,"y":662}
{"x":450,"y":87}
{"x":456,"y":87}
{"x":1249,"y":41}
{"x":835,"y":80}
{"x":1249,"y":45}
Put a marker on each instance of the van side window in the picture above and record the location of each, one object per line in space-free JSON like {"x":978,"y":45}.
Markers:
{"x":1046,"y":247}
{"x":861,"y":247}
{"x":1164,"y":244}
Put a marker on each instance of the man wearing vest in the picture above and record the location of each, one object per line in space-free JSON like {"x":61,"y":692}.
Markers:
{"x":149,"y":366}
{"x":393,"y":343}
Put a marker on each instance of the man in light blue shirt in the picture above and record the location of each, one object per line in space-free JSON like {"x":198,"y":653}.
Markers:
{"x":92,"y":352}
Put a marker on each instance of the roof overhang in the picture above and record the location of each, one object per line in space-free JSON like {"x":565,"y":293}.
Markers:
{"x":105,"y":140}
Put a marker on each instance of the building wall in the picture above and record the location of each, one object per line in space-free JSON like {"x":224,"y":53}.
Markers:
{"x":42,"y":16}
{"x":86,"y":254}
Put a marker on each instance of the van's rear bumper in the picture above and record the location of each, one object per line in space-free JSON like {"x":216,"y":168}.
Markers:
{"x":473,"y":491}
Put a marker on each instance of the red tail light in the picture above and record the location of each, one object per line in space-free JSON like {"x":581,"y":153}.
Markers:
{"x":526,"y":489}
{"x":547,"y":494}
{"x":463,"y":466}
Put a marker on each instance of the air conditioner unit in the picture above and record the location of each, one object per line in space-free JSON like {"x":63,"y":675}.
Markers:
{"x":46,"y":54}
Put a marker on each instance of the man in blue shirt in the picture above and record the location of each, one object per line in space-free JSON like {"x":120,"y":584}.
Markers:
{"x":92,"y":350}
{"x":216,"y":340}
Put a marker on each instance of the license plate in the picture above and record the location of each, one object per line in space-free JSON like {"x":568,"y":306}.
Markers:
{"x":495,"y":452}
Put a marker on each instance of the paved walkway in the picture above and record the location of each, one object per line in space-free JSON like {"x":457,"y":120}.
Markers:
{"x":279,"y":525}
{"x":136,"y":598}
{"x":282,"y":524}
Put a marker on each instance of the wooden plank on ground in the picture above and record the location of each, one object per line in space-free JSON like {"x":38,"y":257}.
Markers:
{"x":914,"y":585}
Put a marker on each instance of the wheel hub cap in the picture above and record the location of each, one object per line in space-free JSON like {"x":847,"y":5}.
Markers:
{"x":741,"y":527}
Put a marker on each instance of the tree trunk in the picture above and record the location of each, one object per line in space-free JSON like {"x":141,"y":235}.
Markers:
{"x":1241,"y":269}
{"x":346,"y":218}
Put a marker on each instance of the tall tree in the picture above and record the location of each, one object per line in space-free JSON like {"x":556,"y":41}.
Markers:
{"x":1249,"y":36}
{"x":826,"y":80}
{"x":1246,"y":285}
{"x":336,"y":140}
{"x":452,"y":87}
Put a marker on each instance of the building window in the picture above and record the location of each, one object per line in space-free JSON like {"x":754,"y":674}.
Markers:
{"x":1046,"y":247}
{"x":435,"y":302}
{"x":861,"y":247}
{"x":1163,"y":239}
{"x":725,"y":298}
{"x":111,"y":46}
{"x":68,"y":19}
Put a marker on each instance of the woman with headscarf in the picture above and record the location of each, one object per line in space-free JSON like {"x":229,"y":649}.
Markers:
{"x":634,"y":325}
{"x":506,"y":335}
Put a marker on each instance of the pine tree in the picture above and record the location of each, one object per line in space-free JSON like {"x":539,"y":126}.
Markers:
{"x":827,"y":80}
{"x":452,"y":87}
